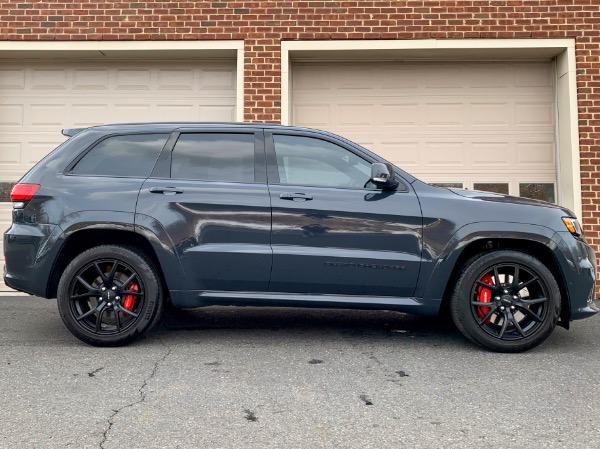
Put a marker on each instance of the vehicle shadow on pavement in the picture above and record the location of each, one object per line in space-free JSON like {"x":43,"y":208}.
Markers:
{"x":311,"y":324}
{"x":356,"y":326}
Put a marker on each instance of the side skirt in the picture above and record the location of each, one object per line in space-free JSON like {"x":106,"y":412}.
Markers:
{"x":192,"y":299}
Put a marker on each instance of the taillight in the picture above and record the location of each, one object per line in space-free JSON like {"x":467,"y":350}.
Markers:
{"x":22,"y":193}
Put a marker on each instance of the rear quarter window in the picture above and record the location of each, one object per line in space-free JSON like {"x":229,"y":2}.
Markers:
{"x":124,"y":156}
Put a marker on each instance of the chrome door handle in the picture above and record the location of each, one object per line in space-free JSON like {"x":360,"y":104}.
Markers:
{"x":166,"y":190}
{"x":295,"y":196}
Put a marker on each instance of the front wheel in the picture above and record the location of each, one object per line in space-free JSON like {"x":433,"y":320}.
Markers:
{"x":110,"y":295}
{"x":506,"y":301}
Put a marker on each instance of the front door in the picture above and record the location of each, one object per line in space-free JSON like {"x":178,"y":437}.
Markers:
{"x":334,"y":232}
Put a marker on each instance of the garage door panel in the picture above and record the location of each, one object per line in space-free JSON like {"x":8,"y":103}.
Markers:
{"x":311,"y":78}
{"x":216,"y":113}
{"x":534,"y":114}
{"x":46,"y":115}
{"x":12,"y":78}
{"x":404,"y":114}
{"x":399,"y":79}
{"x":85,"y":114}
{"x":491,"y":154}
{"x":217,"y":80}
{"x":536,"y":155}
{"x":347,"y":116}
{"x":442,"y":154}
{"x":48,"y":79}
{"x":361,"y":78}
{"x":453,"y":120}
{"x":489,"y":77}
{"x":10,"y":155}
{"x":91,"y":80}
{"x":183,"y":112}
{"x":490,"y":114}
{"x":133,"y":79}
{"x":443,"y":77}
{"x":175,"y":79}
{"x":11,"y":115}
{"x":533,"y":76}
{"x":134,"y":112}
{"x":313,"y":115}
{"x":443,"y":114}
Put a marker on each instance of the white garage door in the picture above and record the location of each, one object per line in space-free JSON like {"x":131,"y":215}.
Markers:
{"x":38,"y":99}
{"x":484,"y":126}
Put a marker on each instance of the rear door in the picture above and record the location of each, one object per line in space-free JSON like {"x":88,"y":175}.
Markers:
{"x":209,"y":194}
{"x":334,"y":232}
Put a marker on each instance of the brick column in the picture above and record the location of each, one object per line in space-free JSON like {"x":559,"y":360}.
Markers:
{"x":262,"y":80}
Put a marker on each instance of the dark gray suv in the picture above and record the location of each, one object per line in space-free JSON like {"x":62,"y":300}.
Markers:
{"x":120,"y":219}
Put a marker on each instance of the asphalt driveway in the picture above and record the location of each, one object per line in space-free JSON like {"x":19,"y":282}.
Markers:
{"x":290,"y":378}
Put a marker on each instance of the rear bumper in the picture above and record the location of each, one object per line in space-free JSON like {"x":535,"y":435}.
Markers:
{"x":27,"y":268}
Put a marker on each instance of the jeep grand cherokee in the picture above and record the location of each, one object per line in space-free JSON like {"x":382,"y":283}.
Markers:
{"x":120,"y":219}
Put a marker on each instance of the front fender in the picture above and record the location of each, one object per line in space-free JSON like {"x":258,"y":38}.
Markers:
{"x":436,"y":273}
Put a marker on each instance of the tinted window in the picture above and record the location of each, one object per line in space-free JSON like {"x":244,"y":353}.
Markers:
{"x":315,"y":162}
{"x":214,"y":157}
{"x":132,"y":155}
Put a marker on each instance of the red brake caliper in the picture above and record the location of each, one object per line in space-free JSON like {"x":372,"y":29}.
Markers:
{"x":484,"y":295}
{"x":129,"y":300}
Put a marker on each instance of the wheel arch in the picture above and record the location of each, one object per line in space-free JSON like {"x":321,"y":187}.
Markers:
{"x":83,"y":239}
{"x":536,"y":242}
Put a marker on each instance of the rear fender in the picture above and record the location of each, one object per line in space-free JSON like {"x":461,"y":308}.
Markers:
{"x":163,"y":246}
{"x":51,"y":252}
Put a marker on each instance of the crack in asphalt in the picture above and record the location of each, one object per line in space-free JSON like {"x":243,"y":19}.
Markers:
{"x":142,"y":398}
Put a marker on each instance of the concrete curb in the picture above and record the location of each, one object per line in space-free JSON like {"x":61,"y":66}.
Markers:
{"x":12,"y":293}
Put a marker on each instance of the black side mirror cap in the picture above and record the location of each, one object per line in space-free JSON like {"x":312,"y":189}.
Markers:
{"x":382,"y":175}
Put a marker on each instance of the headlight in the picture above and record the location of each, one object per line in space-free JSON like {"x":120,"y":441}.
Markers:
{"x":573,"y":226}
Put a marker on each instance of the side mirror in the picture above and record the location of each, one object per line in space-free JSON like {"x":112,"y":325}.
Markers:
{"x":382,"y":175}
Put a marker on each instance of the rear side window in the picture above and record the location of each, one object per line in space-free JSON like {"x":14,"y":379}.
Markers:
{"x":131,"y":155}
{"x":214,"y":157}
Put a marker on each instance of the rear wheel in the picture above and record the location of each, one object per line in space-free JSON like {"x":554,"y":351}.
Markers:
{"x":506,"y":301}
{"x":110,"y":295}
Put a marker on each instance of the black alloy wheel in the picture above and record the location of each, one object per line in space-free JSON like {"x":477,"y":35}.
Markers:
{"x":506,"y":301}
{"x":110,"y":295}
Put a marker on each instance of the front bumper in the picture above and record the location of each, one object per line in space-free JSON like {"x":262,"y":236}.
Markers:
{"x":590,"y":310}
{"x":577,"y":261}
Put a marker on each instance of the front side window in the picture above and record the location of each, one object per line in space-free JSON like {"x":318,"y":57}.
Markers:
{"x":316,"y":162}
{"x":130,"y":155}
{"x":214,"y":157}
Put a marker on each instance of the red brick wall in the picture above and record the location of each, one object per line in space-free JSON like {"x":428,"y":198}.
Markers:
{"x":262,"y":24}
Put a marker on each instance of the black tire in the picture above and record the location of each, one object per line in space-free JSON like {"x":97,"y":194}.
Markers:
{"x":505,"y":301}
{"x":110,"y":295}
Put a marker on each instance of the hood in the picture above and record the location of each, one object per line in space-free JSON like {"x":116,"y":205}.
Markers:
{"x":499,"y":198}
